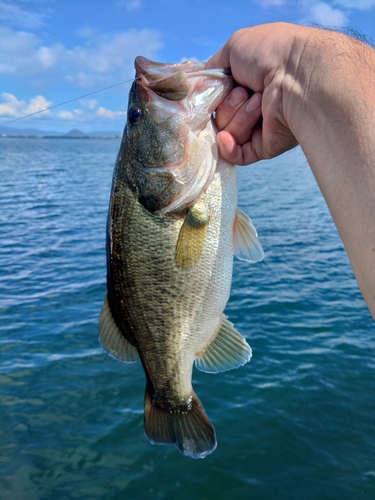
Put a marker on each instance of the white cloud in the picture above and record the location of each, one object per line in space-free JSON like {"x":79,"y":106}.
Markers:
{"x":23,"y":53}
{"x":38,"y":103}
{"x":130,"y":4}
{"x":89,"y":103}
{"x":66,"y":115}
{"x":109,"y":51}
{"x":48,"y":56}
{"x":18,"y":15}
{"x":312,"y":5}
{"x":109,"y":57}
{"x":101,"y":60}
{"x":76,"y":114}
{"x":11,"y":107}
{"x":325,"y":15}
{"x":87,"y":32}
{"x":355,"y":4}
{"x":82,"y":79}
{"x":107,"y":113}
{"x":273,"y":3}
{"x":81,"y":116}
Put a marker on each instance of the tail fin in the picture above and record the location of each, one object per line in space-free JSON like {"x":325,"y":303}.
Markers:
{"x":189,"y":430}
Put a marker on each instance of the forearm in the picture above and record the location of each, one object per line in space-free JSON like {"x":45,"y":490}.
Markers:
{"x":317,"y":88}
{"x":329,"y":105}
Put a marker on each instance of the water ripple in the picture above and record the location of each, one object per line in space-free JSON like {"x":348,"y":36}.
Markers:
{"x":296,"y":422}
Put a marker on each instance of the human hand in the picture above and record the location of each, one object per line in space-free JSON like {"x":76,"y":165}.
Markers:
{"x":256,"y":128}
{"x":316,"y":88}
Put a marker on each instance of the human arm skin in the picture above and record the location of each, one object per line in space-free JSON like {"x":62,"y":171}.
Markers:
{"x":316,"y":88}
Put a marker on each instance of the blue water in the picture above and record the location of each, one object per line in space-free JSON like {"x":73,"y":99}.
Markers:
{"x":297,"y":422}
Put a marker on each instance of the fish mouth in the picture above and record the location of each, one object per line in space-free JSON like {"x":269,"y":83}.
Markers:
{"x":144,"y":66}
{"x":147,"y":67}
{"x":178,"y":81}
{"x":183,"y":97}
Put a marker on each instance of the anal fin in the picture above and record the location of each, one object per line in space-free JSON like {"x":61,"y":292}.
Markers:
{"x":112,"y":339}
{"x":227,"y":350}
{"x":245,"y":239}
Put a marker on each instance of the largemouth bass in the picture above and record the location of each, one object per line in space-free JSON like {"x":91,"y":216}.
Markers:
{"x":173,"y":226}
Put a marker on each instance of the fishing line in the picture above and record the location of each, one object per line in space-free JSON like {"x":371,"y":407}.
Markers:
{"x":65,"y":102}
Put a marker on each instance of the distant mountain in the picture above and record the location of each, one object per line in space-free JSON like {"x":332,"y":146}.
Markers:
{"x":78,"y":133}
{"x":75,"y":133}
{"x":24,"y":132}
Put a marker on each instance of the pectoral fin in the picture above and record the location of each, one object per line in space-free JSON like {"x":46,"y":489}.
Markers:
{"x":111,"y":338}
{"x":227,"y":350}
{"x":245,"y":239}
{"x":192,"y":236}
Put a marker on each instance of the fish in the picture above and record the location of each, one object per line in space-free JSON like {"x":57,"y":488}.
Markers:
{"x":173,"y":227}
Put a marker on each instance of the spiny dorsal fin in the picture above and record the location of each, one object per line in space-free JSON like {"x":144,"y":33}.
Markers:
{"x":111,"y":338}
{"x":192,"y":236}
{"x":245,"y":239}
{"x":227,"y":350}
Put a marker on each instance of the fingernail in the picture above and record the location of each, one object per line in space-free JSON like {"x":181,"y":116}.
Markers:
{"x":236,"y":97}
{"x":254,"y":103}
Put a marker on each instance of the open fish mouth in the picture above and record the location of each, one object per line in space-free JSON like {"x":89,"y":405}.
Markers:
{"x":176,"y":82}
{"x":184,"y":96}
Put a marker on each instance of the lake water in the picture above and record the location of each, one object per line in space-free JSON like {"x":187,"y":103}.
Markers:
{"x":297,"y":422}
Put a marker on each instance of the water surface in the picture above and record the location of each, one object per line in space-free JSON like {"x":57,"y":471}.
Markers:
{"x":297,"y":422}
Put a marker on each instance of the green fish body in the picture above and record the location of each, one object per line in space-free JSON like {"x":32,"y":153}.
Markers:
{"x":173,"y":227}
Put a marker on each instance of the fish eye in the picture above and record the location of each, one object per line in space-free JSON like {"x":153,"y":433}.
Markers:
{"x":134,"y":114}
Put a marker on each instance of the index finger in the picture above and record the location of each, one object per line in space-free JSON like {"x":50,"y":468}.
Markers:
{"x":219,"y":60}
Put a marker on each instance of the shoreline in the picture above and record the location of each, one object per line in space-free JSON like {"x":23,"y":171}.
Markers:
{"x":11,"y":136}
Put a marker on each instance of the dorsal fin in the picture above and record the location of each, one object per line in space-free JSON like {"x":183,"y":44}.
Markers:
{"x":111,"y":338}
{"x":227,"y":350}
{"x":192,"y":235}
{"x":245,"y":239}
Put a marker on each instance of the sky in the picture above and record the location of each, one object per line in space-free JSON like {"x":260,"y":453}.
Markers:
{"x":52,"y":51}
